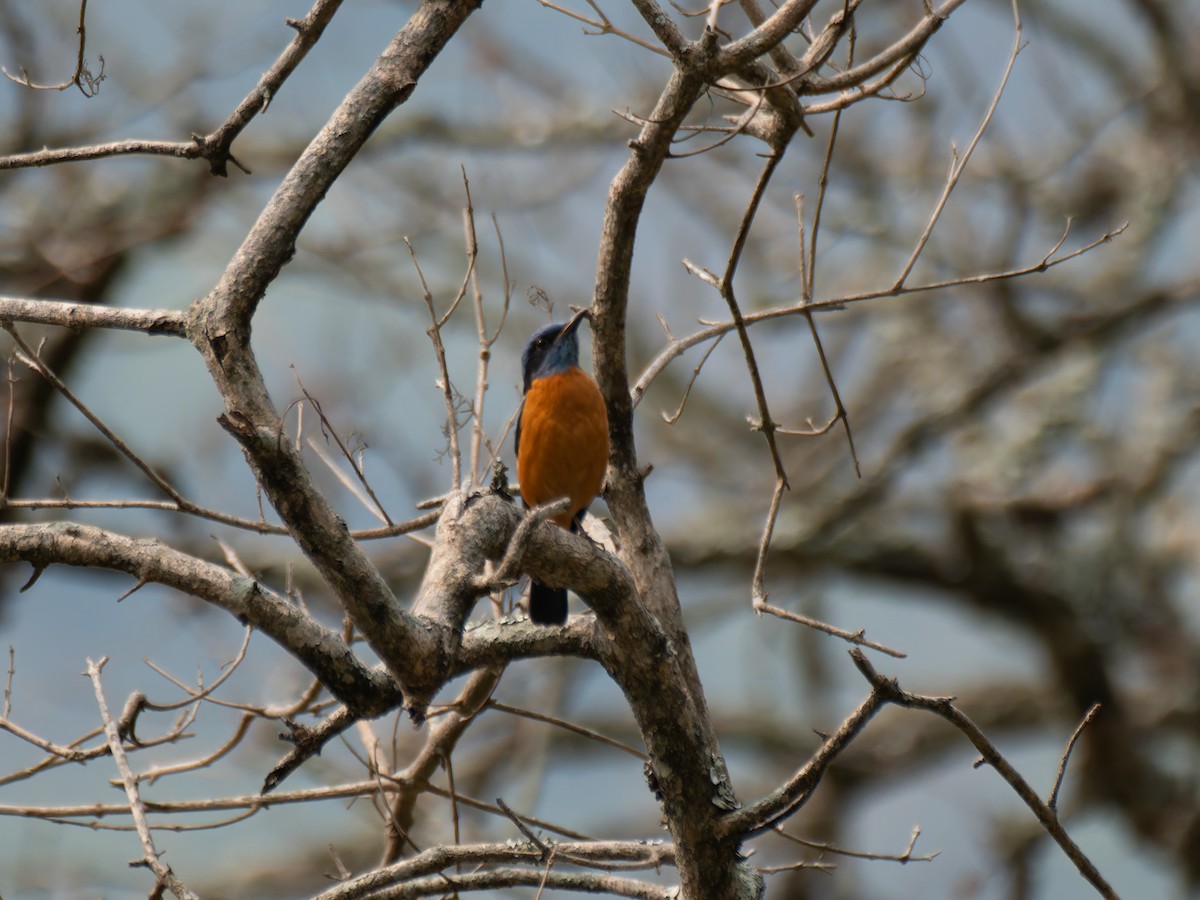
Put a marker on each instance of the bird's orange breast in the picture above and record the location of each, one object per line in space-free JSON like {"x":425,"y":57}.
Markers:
{"x":564,"y":442}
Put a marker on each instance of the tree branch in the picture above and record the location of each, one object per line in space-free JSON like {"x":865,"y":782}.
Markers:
{"x":219,"y":326}
{"x":71,"y":314}
{"x":323,"y":652}
{"x":890,"y":692}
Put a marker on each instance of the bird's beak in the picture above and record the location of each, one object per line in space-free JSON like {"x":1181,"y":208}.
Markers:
{"x":573,"y":322}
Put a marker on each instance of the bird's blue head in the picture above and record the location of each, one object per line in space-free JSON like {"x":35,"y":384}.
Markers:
{"x":551,"y":349}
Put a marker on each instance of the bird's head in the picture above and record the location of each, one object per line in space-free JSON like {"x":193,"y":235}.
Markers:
{"x":551,"y":349}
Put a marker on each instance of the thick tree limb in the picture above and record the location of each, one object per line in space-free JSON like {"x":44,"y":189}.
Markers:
{"x":219,"y":326}
{"x":321,"y":650}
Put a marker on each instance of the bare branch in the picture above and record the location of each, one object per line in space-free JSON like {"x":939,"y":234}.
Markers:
{"x":70,"y":314}
{"x":83,"y":78}
{"x":764,"y":37}
{"x":1052,"y":802}
{"x":567,"y":726}
{"x":31,"y":358}
{"x":789,"y":797}
{"x":854,"y":637}
{"x":418,"y":874}
{"x":214,"y":147}
{"x":899,"y":53}
{"x":679,"y":346}
{"x":890,"y":692}
{"x":318,"y":648}
{"x":439,"y":744}
{"x":439,"y":349}
{"x":958,"y":166}
{"x":166,"y":878}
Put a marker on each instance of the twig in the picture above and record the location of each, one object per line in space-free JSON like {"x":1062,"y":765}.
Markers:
{"x":471,"y":245}
{"x":789,"y":797}
{"x":82,"y":78}
{"x":419,"y":874}
{"x":808,"y":266}
{"x":854,"y":637}
{"x":308,"y":742}
{"x":8,"y":427}
{"x":944,"y":707}
{"x":522,"y":827}
{"x":1052,"y":802}
{"x":567,"y":726}
{"x":329,"y":431}
{"x":214,"y":147}
{"x":152,"y":775}
{"x":166,"y":878}
{"x":713,"y":330}
{"x":766,"y":424}
{"x":869,"y":89}
{"x":8,"y":682}
{"x":68,"y":754}
{"x":202,"y":694}
{"x":758,"y":591}
{"x":30,"y":357}
{"x":825,"y":847}
{"x":254,"y":525}
{"x":672,"y":418}
{"x":439,"y":349}
{"x":742,"y":123}
{"x":439,"y":744}
{"x":958,"y":166}
{"x":603,"y":26}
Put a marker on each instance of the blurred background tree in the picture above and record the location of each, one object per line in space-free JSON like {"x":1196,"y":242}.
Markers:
{"x":1025,"y":527}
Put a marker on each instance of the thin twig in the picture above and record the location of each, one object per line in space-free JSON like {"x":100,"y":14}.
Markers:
{"x":1052,"y":802}
{"x":204,"y":692}
{"x":808,"y":265}
{"x":329,"y":431}
{"x":8,"y":682}
{"x":30,"y":357}
{"x":166,"y":878}
{"x":945,"y":708}
{"x":214,"y":147}
{"x":471,"y":245}
{"x":758,"y":591}
{"x":8,"y":426}
{"x":713,"y":330}
{"x":672,"y":418}
{"x":785,"y":800}
{"x":567,"y":726}
{"x":854,"y":637}
{"x":439,"y":349}
{"x":826,"y":847}
{"x":83,"y":78}
{"x":766,"y":424}
{"x":603,"y":26}
{"x":187,"y":508}
{"x":522,"y":827}
{"x":958,"y":166}
{"x":152,"y":775}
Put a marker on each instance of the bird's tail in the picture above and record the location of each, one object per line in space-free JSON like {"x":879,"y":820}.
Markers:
{"x":547,"y":605}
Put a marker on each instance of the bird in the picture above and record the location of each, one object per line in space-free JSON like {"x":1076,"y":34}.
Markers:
{"x":561,"y":441}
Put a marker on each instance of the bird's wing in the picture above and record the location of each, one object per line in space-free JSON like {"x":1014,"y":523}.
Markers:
{"x":517,"y":433}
